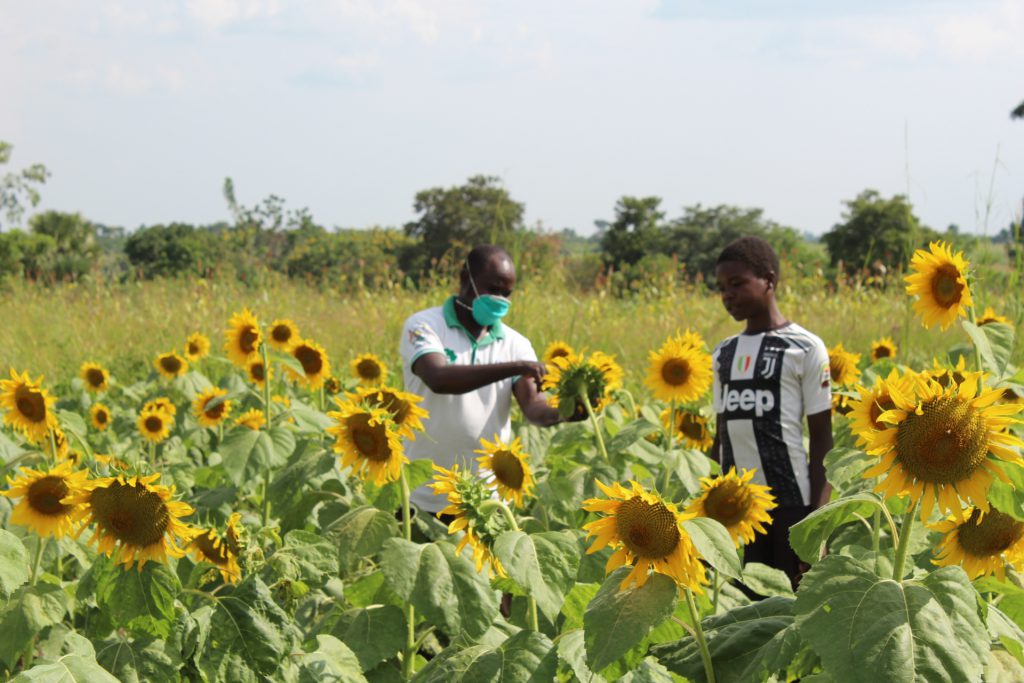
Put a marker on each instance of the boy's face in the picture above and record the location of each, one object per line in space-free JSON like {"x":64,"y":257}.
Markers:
{"x":744,"y":294}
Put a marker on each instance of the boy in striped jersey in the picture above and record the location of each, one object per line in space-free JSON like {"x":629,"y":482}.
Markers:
{"x":767,"y":379}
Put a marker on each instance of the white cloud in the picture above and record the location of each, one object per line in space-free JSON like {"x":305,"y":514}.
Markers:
{"x":983,"y":34}
{"x":214,"y":14}
{"x":127,"y":81}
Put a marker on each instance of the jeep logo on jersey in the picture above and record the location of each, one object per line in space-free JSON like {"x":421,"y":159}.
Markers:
{"x":760,"y":401}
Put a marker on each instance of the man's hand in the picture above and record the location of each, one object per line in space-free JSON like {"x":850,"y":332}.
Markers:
{"x":533,"y":370}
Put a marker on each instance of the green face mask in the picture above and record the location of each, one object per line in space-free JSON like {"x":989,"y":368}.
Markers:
{"x":488,"y":308}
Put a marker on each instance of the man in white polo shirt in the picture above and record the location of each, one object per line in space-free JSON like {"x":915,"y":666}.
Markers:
{"x":467,"y":365}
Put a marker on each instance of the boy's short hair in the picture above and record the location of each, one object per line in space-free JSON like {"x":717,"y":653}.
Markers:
{"x":753,"y":252}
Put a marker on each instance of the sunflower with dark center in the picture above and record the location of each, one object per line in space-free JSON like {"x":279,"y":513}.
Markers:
{"x":556,"y":349}
{"x":941,"y":444}
{"x":679,"y":371}
{"x":171,"y":365}
{"x":95,"y":377}
{"x":401,"y":406}
{"x":253,"y":419}
{"x":939,"y":282}
{"x":154,"y":425}
{"x":242,"y":338}
{"x":883,"y":348}
{"x":842,"y":366}
{"x":865,"y":410}
{"x":257,"y":372}
{"x":99,"y":415}
{"x":990,"y":316}
{"x":570,"y":378}
{"x":45,"y":495}
{"x":208,"y":546}
{"x":946,"y":375}
{"x":332,"y":385}
{"x":691,"y":427}
{"x":197,"y":346}
{"x":136,"y":517}
{"x":316,"y":367}
{"x":367,"y":441}
{"x":27,"y":406}
{"x":736,"y":503}
{"x":646,"y":532}
{"x":370,"y":370}
{"x":211,"y":408}
{"x":505,"y":468}
{"x":283,"y":334}
{"x":983,"y":543}
{"x":466,"y":495}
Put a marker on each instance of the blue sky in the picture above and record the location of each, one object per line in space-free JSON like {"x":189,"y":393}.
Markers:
{"x":348,"y":107}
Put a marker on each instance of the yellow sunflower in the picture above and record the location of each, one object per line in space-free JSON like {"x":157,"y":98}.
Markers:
{"x":111,"y":462}
{"x":171,"y":365}
{"x":646,"y":532}
{"x":990,"y":316}
{"x":937,"y":442}
{"x":136,"y":517}
{"x":332,"y":385}
{"x":233,"y":533}
{"x":465,"y":494}
{"x":508,"y":470}
{"x":197,"y":346}
{"x":315,"y":364}
{"x":44,"y":507}
{"x":242,"y":338}
{"x":155,"y":425}
{"x":945,"y":375}
{"x":258,"y":374}
{"x":940,"y":284}
{"x":283,"y":334}
{"x":691,"y":427}
{"x":99,"y":415}
{"x":161,"y":404}
{"x":28,"y":407}
{"x":60,"y":439}
{"x":253,"y":419}
{"x":95,"y":377}
{"x":737,"y":504}
{"x":210,"y":408}
{"x":401,"y":405}
{"x":571,"y":377}
{"x":842,"y":365}
{"x":865,"y":410}
{"x":208,"y":546}
{"x":678,"y":371}
{"x":366,"y":443}
{"x":556,"y":349}
{"x":981,"y":543}
{"x":883,"y":348}
{"x":369,"y":370}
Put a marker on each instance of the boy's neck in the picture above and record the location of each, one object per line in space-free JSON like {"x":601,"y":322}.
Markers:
{"x":769,"y":319}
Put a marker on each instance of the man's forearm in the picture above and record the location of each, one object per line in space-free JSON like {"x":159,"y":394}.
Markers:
{"x":461,"y":379}
{"x":538,"y":412}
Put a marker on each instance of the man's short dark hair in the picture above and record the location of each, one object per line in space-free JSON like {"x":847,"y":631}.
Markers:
{"x":479,"y":256}
{"x":753,"y":252}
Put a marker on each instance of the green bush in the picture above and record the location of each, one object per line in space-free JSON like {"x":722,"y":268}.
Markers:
{"x":175,"y":249}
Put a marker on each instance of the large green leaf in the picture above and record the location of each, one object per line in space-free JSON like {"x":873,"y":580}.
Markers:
{"x":30,"y":610}
{"x":331,"y":662}
{"x":649,"y":671}
{"x":373,"y":633}
{"x":359,"y":534}
{"x":389,"y":496}
{"x":305,"y":556}
{"x":140,"y":600}
{"x":765,"y":580}
{"x":247,"y":454}
{"x":445,"y":588}
{"x":845,"y":469}
{"x":573,"y":651}
{"x":617,"y":620}
{"x":994,"y":342}
{"x":527,"y":657}
{"x":809,"y":536}
{"x":630,"y":434}
{"x":67,"y":669}
{"x":872,"y":630}
{"x":1003,"y":667}
{"x":715,"y":545}
{"x":139,"y":660}
{"x":14,"y":563}
{"x":544,"y":565}
{"x":1006,"y":497}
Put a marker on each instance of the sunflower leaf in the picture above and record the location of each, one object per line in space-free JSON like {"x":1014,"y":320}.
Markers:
{"x":373,"y":634}
{"x":305,"y":556}
{"x":994,"y":342}
{"x":32,"y":609}
{"x":1006,"y":496}
{"x":14,"y":562}
{"x":359,"y":533}
{"x":872,"y":630}
{"x":808,"y":537}
{"x":247,"y":454}
{"x":715,"y":545}
{"x":136,"y":660}
{"x":67,"y":669}
{"x":331,"y":662}
{"x":544,"y":565}
{"x":527,"y":657}
{"x":617,"y":620}
{"x":140,"y":600}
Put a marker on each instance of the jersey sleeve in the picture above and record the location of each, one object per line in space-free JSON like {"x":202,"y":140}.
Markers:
{"x":816,"y":383}
{"x":418,"y":339}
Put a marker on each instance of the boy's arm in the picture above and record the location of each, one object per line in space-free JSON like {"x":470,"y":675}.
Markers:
{"x":716,"y":444}
{"x":819,"y":427}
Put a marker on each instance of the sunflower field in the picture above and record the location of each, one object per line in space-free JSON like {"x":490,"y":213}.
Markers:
{"x":240,"y":512}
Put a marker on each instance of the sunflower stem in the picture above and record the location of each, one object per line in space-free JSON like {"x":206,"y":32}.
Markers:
{"x":702,"y":643}
{"x":597,"y":427}
{"x":266,"y":417}
{"x":715,"y":592}
{"x":904,"y":544}
{"x":40,"y":546}
{"x":876,"y":529}
{"x":409,"y":654}
{"x":669,"y":438}
{"x":53,"y":443}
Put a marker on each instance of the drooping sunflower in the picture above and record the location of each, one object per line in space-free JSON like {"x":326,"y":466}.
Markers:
{"x":556,"y":349}
{"x":646,"y":532}
{"x":865,"y":410}
{"x":691,"y":427}
{"x":946,"y":375}
{"x":465,"y":494}
{"x":197,"y":346}
{"x":983,"y":543}
{"x":332,"y":385}
{"x":136,"y":517}
{"x":940,"y":283}
{"x":736,"y":503}
{"x":937,"y":443}
{"x":572,"y":377}
{"x":401,"y":405}
{"x":211,"y":408}
{"x":208,"y":546}
{"x":990,"y":316}
{"x":99,"y":415}
{"x":44,"y":507}
{"x":233,"y":533}
{"x":171,"y":365}
{"x":95,"y":377}
{"x":883,"y":348}
{"x":370,"y":370}
{"x":155,"y":425}
{"x":253,"y":419}
{"x":506,"y":469}
{"x":283,"y":334}
{"x":678,"y":371}
{"x":160,"y":404}
{"x":60,"y":440}
{"x":842,"y":365}
{"x":366,"y":442}
{"x":316,"y":366}
{"x":111,"y":462}
{"x":258,"y":373}
{"x":28,"y":407}
{"x":242,"y":338}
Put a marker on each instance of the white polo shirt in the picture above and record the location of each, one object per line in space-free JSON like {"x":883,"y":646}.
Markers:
{"x":457,"y":422}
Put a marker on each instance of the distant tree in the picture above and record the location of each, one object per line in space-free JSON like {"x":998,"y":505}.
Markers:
{"x":175,"y":249}
{"x":19,"y":189}
{"x":1018,"y":113}
{"x":74,"y":243}
{"x":876,"y":229}
{"x":637,"y":230}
